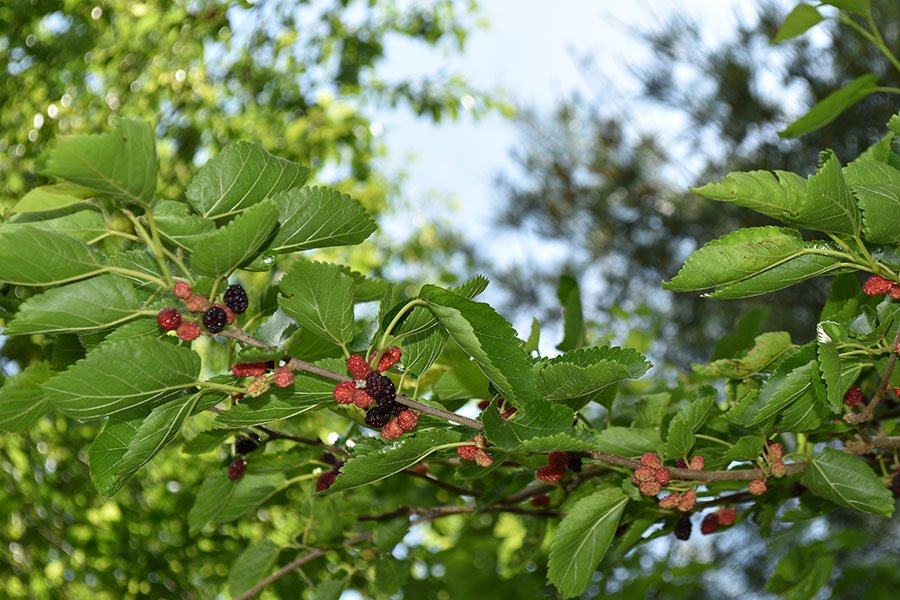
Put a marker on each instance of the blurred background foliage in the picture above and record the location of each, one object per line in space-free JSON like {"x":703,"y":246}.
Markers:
{"x":300,"y":78}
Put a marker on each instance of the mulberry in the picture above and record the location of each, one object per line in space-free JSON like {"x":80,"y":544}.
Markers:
{"x":228,"y":313}
{"x":466,"y":452}
{"x":215,"y":319}
{"x":343,"y":392}
{"x":683,"y":529}
{"x":248,"y":369}
{"x":377,"y":417}
{"x":407,"y":420}
{"x":392,"y":430}
{"x":236,"y":298}
{"x":236,"y":468}
{"x":875,"y":286}
{"x":381,"y":388}
{"x":726,"y":516}
{"x":195,"y":303}
{"x":169,"y":319}
{"x":710,"y":524}
{"x":362,"y":399}
{"x":182,"y":290}
{"x":284,"y":377}
{"x":757,"y":487}
{"x":358,"y":367}
{"x":540,"y":500}
{"x":325,"y":481}
{"x":245,"y":444}
{"x":188,"y":331}
{"x":651,"y":459}
{"x":549,"y":474}
{"x":389,"y":359}
{"x":854,"y":397}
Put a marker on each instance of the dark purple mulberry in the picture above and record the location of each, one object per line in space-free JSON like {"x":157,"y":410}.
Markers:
{"x":236,"y":298}
{"x":380,"y":388}
{"x":683,"y":529}
{"x":215,"y":319}
{"x":377,"y":417}
{"x":245,"y":444}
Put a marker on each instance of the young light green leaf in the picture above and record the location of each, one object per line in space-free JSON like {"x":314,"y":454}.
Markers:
{"x":221,"y":251}
{"x":849,"y":482}
{"x":583,"y":538}
{"x":680,"y":437}
{"x":252,"y":566}
{"x":319,"y":296}
{"x":777,"y":194}
{"x":767,"y":347}
{"x":828,"y":109}
{"x":393,"y":458}
{"x":122,"y":375}
{"x":318,"y":217}
{"x":857,"y":7}
{"x":748,"y":447}
{"x":828,"y":205}
{"x":736,"y":256}
{"x":32,"y":256}
{"x":22,"y":401}
{"x":127,"y":444}
{"x":51,"y":197}
{"x":96,"y":303}
{"x":121,"y":164}
{"x":569,"y":296}
{"x":242,"y":175}
{"x":797,"y":22}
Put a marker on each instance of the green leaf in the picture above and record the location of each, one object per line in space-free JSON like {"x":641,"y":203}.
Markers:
{"x":387,"y":535}
{"x":585,"y":373}
{"x":22,"y":401}
{"x":778,"y":194}
{"x":31,"y":256}
{"x":177,"y":223}
{"x":242,"y":175}
{"x":680,"y":438}
{"x":253,"y":565}
{"x":876,"y":186}
{"x":782,"y":390}
{"x":797,"y":22}
{"x":51,"y":197}
{"x":308,"y":393}
{"x":766,"y":349}
{"x":828,"y":205}
{"x":96,"y":303}
{"x":785,"y":274}
{"x":629,"y":441}
{"x":393,"y":458}
{"x":651,"y":409}
{"x":581,"y":541}
{"x":221,"y":251}
{"x":736,"y":256}
{"x":748,"y":447}
{"x":573,"y":321}
{"x":419,"y":353}
{"x":81,"y":222}
{"x":319,"y":296}
{"x":127,"y":444}
{"x":743,"y":333}
{"x":573,"y":440}
{"x":849,"y":482}
{"x":857,"y":7}
{"x":221,"y":500}
{"x":121,"y":375}
{"x":318,"y":217}
{"x":462,"y":382}
{"x":121,"y":164}
{"x":828,"y":109}
{"x":802,"y":573}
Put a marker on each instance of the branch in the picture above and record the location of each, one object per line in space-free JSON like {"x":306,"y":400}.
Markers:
{"x":280,"y":435}
{"x":868,"y":411}
{"x":446,"y":485}
{"x":689,"y":475}
{"x":302,"y":365}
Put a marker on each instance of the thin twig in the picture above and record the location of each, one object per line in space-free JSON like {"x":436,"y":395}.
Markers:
{"x":280,"y":435}
{"x":868,"y":411}
{"x":446,"y":485}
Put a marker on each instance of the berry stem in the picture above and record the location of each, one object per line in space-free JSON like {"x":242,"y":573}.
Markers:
{"x":868,"y":410}
{"x":152,"y":240}
{"x":211,"y":385}
{"x":713,"y":439}
{"x":383,"y":344}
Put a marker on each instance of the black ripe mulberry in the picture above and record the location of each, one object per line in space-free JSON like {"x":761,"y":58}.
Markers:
{"x":380,"y":388}
{"x":245,"y":444}
{"x":236,"y":298}
{"x":683,"y":529}
{"x":377,"y":417}
{"x":215,"y":319}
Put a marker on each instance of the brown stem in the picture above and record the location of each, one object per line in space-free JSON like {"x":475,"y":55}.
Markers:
{"x":689,"y":475}
{"x":868,"y":411}
{"x":280,"y":435}
{"x":302,"y":365}
{"x":446,"y":485}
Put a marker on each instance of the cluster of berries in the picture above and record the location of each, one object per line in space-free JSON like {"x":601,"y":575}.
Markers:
{"x":215,"y":316}
{"x":376,"y":394}
{"x":776,"y":457}
{"x":244,"y":444}
{"x":506,"y":409}
{"x":282,"y":376}
{"x":877,"y":286}
{"x":651,"y":476}
{"x":557,"y":463}
{"x":476,"y":451}
{"x":326,"y":479}
{"x":684,"y":501}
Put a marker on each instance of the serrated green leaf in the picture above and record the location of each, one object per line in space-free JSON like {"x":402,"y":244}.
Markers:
{"x":680,"y":438}
{"x":221,"y":251}
{"x":419,"y":352}
{"x":777,"y":194}
{"x":569,"y":296}
{"x":221,"y":500}
{"x":784,"y":275}
{"x":253,"y":565}
{"x":319,"y":296}
{"x":583,"y":538}
{"x":829,"y":108}
{"x":97,"y":303}
{"x":308,"y":393}
{"x":767,"y":347}
{"x":876,"y":186}
{"x":31,"y":256}
{"x":80,"y":222}
{"x":748,"y":447}
{"x":462,"y":382}
{"x":318,"y":217}
{"x":393,"y":458}
{"x":22,"y":401}
{"x":51,"y":197}
{"x":736,"y":256}
{"x":242,"y":175}
{"x":797,"y":22}
{"x":179,"y":225}
{"x":828,"y":205}
{"x":122,"y":375}
{"x":573,"y":440}
{"x":586,"y":372}
{"x":629,"y":441}
{"x":849,"y":482}
{"x":651,"y":409}
{"x":782,"y":390}
{"x":127,"y":444}
{"x":121,"y":164}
